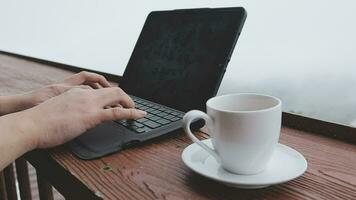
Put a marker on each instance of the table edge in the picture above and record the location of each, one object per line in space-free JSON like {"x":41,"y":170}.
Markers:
{"x":52,"y":168}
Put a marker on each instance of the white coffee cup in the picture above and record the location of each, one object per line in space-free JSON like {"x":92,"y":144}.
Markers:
{"x":244,"y":128}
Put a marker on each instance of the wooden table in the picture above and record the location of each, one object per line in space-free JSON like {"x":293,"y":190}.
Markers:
{"x":154,"y":170}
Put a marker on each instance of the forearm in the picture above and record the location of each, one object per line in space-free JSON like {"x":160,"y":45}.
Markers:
{"x":15,"y":103}
{"x":16,"y":137}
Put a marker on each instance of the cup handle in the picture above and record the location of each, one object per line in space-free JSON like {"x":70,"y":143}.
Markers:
{"x":188,"y":118}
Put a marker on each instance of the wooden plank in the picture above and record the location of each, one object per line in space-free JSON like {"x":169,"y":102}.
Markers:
{"x":63,"y":180}
{"x":3,"y":192}
{"x":154,"y":170}
{"x":44,"y":188}
{"x":10,"y":182}
{"x":23,"y":179}
{"x":71,"y":68}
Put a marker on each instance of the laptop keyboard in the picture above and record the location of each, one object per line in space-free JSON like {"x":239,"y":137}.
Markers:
{"x":157,"y":116}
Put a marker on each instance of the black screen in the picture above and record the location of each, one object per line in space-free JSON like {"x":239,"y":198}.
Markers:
{"x":180,"y":56}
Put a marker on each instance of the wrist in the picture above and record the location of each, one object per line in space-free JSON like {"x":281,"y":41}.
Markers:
{"x":27,"y":100}
{"x":15,"y":103}
{"x":17,"y":137}
{"x":24,"y":129}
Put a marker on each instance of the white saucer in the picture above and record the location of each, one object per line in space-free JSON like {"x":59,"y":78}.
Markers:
{"x":286,"y":164}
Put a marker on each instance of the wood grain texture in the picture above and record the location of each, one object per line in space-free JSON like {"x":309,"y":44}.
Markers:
{"x":23,"y":179}
{"x":154,"y":170}
{"x":44,"y":188}
{"x":10,"y":182}
{"x":3,"y":192}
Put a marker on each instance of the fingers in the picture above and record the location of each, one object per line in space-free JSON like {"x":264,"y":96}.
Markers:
{"x":87,"y":78}
{"x":95,"y":85}
{"x":114,"y":96}
{"x":65,"y":88}
{"x":58,"y":89}
{"x":87,"y":87}
{"x":121,"y":113}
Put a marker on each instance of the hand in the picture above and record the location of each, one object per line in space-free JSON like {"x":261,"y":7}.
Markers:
{"x":15,"y":103}
{"x":66,"y":116}
{"x":82,"y":80}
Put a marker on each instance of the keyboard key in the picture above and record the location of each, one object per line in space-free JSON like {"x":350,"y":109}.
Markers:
{"x":155,"y":118}
{"x":142,"y":120}
{"x":151,"y":124}
{"x":138,"y":106}
{"x":163,"y":121}
{"x":169,"y":111}
{"x":155,"y":112}
{"x":166,"y":109}
{"x":149,"y":115}
{"x":133,"y":123}
{"x":156,"y":107}
{"x":175,"y":113}
{"x":150,"y":110}
{"x":143,"y":130}
{"x":149,"y":105}
{"x":122,"y":122}
{"x":140,"y":130}
{"x":132,"y":127}
{"x":169,"y":116}
{"x":180,"y":115}
{"x":144,"y":107}
{"x":175,"y":119}
{"x":139,"y":125}
{"x":162,"y":114}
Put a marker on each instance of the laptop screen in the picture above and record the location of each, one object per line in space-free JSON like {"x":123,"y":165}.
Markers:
{"x":181,"y":56}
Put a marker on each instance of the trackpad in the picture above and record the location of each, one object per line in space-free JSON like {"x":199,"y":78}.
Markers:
{"x":104,"y":139}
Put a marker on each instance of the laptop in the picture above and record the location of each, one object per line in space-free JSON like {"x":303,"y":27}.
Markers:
{"x":177,"y":64}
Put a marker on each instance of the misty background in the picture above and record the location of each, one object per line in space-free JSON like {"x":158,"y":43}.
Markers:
{"x":300,"y":51}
